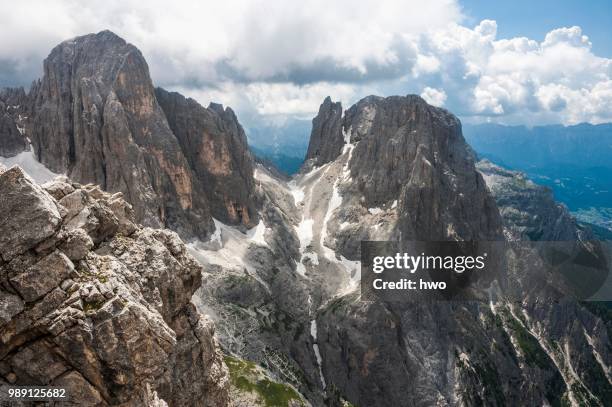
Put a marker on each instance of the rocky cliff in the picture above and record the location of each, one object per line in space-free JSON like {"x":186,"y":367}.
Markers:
{"x":96,"y":119}
{"x":12,"y":104}
{"x":326,"y":138}
{"x":95,"y":116}
{"x":216,"y":149}
{"x":94,"y":303}
{"x":405,"y":168}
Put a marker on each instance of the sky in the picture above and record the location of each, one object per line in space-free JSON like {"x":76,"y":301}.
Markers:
{"x":533,"y":19}
{"x":511,"y":62}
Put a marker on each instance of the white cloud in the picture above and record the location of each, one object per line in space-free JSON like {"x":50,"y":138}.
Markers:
{"x":433,"y":96}
{"x":276,"y":99}
{"x":519,"y":80}
{"x":241,"y":40}
{"x":276,"y":58}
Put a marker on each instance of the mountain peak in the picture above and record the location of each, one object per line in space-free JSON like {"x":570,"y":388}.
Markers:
{"x":103,"y":36}
{"x":326,"y":137}
{"x":113,"y":132}
{"x":364,"y":119}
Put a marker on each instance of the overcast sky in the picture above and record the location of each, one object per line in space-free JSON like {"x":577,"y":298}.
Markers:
{"x":271,"y":60}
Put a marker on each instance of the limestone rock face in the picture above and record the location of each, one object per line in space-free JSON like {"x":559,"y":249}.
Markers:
{"x":96,"y":117}
{"x":13,"y":102}
{"x":414,"y":152}
{"x":215,"y":146}
{"x":403,"y":162}
{"x":94,"y":303}
{"x":97,"y":120}
{"x":326,"y":138}
{"x":398,"y":169}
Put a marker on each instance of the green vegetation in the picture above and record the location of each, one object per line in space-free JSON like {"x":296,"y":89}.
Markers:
{"x":336,"y":304}
{"x":531,"y":349}
{"x":93,"y":306}
{"x":535,"y":356}
{"x":247,"y":377}
{"x":234,"y":280}
{"x":85,"y":274}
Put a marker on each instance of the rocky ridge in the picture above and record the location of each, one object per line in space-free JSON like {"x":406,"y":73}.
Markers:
{"x":94,"y":303}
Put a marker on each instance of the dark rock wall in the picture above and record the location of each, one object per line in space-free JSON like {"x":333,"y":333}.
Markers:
{"x":215,"y":146}
{"x":326,"y":138}
{"x":12,"y":105}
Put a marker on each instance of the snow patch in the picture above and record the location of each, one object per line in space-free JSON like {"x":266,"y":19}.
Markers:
{"x":315,"y":348}
{"x":352,"y":267}
{"x":28,"y":163}
{"x":375,"y":211}
{"x":297,"y":192}
{"x":312,"y":256}
{"x":257,"y":234}
{"x":313,"y":329}
{"x":262,"y":175}
{"x":304,"y":232}
{"x":334,"y":202}
{"x":300,"y":268}
{"x":347,"y":135}
{"x":216,"y":237}
{"x":314,"y":171}
{"x":394,"y":205}
{"x":228,"y":247}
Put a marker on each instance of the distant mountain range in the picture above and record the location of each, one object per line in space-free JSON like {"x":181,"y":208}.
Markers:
{"x":575,"y":161}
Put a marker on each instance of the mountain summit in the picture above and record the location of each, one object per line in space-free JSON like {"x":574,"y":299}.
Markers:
{"x":95,"y":116}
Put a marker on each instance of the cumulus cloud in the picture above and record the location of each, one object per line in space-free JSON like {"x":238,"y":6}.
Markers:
{"x":238,"y":40}
{"x":433,"y":96}
{"x":518,"y":80}
{"x":276,"y":58}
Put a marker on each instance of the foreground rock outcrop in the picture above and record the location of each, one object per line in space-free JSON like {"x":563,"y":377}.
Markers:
{"x":94,"y":303}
